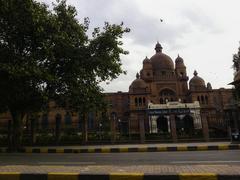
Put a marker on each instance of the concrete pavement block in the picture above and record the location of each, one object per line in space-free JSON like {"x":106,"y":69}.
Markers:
{"x":161,"y":148}
{"x":223,"y":147}
{"x":182,"y":148}
{"x":105,"y":150}
{"x":63,"y":176}
{"x":9,"y":176}
{"x":202,"y":148}
{"x":198,"y":176}
{"x":123,"y":149}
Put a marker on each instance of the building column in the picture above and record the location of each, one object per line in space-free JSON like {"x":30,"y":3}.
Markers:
{"x":173,"y":128}
{"x":205,"y":127}
{"x":154,"y":124}
{"x":141,"y":127}
{"x":150,"y":123}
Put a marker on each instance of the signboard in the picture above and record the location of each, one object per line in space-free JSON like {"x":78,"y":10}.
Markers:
{"x":168,"y":111}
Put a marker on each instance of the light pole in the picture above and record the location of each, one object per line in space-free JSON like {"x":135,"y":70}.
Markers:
{"x":119,"y":126}
{"x":100,"y":130}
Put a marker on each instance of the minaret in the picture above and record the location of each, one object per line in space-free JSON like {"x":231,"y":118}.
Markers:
{"x":181,"y":76}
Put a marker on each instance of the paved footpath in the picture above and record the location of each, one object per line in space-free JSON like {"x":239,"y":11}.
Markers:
{"x":145,"y":172}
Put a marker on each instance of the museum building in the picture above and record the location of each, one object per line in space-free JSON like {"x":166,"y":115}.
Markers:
{"x":161,"y":100}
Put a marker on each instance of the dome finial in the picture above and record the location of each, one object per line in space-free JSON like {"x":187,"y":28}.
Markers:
{"x":137,"y":75}
{"x":195,"y":73}
{"x":158,"y":47}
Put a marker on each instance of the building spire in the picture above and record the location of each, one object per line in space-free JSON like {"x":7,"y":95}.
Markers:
{"x":195,"y":73}
{"x":137,"y":75}
{"x":158,"y":47}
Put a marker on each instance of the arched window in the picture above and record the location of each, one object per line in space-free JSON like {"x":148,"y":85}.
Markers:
{"x":167,"y":92}
{"x":140,"y":101}
{"x":167,"y":95}
{"x":144,"y":101}
{"x":198,"y":98}
{"x":202,"y":99}
{"x":136,"y":102}
{"x":68,"y":119}
{"x":206,"y":99}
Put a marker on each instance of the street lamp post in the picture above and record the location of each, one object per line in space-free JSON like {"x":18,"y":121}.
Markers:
{"x":100,"y":130}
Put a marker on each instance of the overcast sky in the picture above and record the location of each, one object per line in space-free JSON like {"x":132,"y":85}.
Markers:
{"x":204,"y":33}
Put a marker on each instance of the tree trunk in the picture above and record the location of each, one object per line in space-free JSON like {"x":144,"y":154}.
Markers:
{"x":16,"y":131}
{"x":33,"y":130}
{"x":57,"y":131}
{"x":85,"y":128}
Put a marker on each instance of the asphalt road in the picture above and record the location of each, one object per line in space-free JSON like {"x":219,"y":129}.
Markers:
{"x":148,"y":158}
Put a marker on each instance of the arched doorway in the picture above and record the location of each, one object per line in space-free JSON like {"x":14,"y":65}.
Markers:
{"x":188,"y":125}
{"x":162,"y":124}
{"x":184,"y":126}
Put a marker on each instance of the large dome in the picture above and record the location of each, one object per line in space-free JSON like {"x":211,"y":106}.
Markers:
{"x":161,"y":61}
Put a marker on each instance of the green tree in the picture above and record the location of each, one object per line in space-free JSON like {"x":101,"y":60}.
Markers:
{"x":236,"y":67}
{"x":47,"y":55}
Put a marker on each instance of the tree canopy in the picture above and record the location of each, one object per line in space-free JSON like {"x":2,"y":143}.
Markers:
{"x":236,"y":67}
{"x":47,"y":54}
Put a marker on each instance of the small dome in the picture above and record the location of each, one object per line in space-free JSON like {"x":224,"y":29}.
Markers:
{"x":209,"y":86}
{"x":146,"y":60}
{"x":179,"y":59}
{"x":147,"y":64}
{"x":196,"y":82}
{"x":137,"y":84}
{"x":179,"y":62}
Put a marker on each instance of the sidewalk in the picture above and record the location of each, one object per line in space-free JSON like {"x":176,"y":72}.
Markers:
{"x":147,"y":172}
{"x":130,"y":148}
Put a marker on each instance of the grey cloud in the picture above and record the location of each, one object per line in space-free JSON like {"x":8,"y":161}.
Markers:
{"x":198,"y":18}
{"x":144,"y":29}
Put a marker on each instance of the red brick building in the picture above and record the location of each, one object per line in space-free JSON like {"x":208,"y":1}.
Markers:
{"x":162,"y":81}
{"x":161,"y":100}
